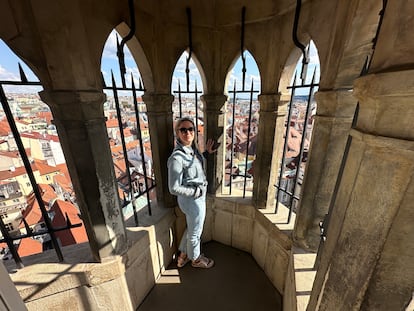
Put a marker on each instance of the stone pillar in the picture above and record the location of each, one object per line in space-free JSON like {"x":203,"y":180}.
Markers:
{"x":159,"y":110}
{"x":367,"y":262}
{"x":333,"y":120}
{"x":269,"y":147}
{"x":214,"y":128}
{"x":79,"y":118}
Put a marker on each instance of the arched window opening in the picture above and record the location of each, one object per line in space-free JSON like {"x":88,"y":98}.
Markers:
{"x":128,"y":130}
{"x":38,"y":209}
{"x":298,"y":133}
{"x":187,"y":90}
{"x":242,"y":120}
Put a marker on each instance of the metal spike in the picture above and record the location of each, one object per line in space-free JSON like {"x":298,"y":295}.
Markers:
{"x":113,"y":79}
{"x":313,"y":76}
{"x":68,"y":223}
{"x":103,"y":80}
{"x":29,"y":230}
{"x":132,"y":81}
{"x":365,"y":67}
{"x":23,"y":77}
{"x":294,"y":79}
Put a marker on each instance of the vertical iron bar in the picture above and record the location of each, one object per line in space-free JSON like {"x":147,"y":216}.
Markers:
{"x":121,"y":61}
{"x":29,"y":172}
{"x":144,"y":166}
{"x":248,"y":140}
{"x":335,"y":191}
{"x":374,"y":41}
{"x":190,"y":48}
{"x":232,"y":134}
{"x":296,"y":41}
{"x":302,"y":144}
{"x":242,"y":47}
{"x":120,"y":47}
{"x":124,"y":149}
{"x":179,"y":99}
{"x":196,"y":110}
{"x":285,"y":146}
{"x":10,"y":244}
{"x":23,"y":77}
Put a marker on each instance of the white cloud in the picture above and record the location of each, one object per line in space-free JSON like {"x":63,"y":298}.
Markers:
{"x":8,"y":75}
{"x":110,"y":49}
{"x":313,"y":54}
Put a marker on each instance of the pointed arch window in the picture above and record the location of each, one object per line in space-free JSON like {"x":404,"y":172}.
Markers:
{"x":298,"y":132}
{"x":128,"y":130}
{"x":26,"y":123}
{"x":242,"y":120}
{"x":187,"y":89}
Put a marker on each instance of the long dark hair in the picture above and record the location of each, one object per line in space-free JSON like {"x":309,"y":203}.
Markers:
{"x":177,"y":126}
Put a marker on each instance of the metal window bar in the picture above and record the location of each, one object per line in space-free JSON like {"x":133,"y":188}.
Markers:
{"x":130,"y":194}
{"x":29,"y":232}
{"x":324,"y":223}
{"x":285,"y":147}
{"x":291,"y":193}
{"x":196,"y":94}
{"x":245,"y":174}
{"x":141,"y":145}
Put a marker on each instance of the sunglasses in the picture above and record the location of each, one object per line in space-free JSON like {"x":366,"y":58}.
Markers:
{"x":186,"y":129}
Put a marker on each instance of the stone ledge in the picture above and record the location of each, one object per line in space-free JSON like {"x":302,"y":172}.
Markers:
{"x":78,"y":278}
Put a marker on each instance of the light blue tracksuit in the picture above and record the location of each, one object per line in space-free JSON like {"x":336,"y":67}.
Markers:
{"x":186,"y":180}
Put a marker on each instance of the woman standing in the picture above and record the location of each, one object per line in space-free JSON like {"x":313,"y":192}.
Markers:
{"x":186,"y":180}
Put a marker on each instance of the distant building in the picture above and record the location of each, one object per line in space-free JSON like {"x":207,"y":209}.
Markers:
{"x":12,"y":202}
{"x":44,"y":147}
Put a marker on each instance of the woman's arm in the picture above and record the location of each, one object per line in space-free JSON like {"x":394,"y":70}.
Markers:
{"x":211,"y":147}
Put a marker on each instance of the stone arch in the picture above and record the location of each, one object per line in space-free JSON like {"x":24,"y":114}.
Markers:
{"x":139,"y":56}
{"x":292,"y":64}
{"x":233,"y":63}
{"x":198,"y":65}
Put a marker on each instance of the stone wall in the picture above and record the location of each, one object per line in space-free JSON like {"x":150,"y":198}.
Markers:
{"x":122,"y":282}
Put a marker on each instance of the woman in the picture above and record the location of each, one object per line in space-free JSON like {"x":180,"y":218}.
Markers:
{"x":186,"y":180}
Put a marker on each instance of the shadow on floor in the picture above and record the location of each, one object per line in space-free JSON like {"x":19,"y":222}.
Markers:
{"x":235,"y":283}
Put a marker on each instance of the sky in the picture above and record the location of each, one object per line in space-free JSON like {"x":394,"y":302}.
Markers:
{"x":9,"y":69}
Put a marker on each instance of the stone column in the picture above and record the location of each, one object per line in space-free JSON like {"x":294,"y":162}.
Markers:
{"x":333,"y":120}
{"x":269,"y":147}
{"x":214,"y":128}
{"x":367,"y":262}
{"x":159,"y":110}
{"x":79,"y":118}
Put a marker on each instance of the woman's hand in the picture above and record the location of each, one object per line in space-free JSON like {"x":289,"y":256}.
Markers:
{"x":210,"y":146}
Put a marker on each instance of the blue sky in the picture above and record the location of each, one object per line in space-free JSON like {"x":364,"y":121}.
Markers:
{"x":9,"y":68}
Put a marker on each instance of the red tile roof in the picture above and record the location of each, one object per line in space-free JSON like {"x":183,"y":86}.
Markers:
{"x":13,"y":173}
{"x":112,"y":123}
{"x":74,"y":235}
{"x":47,"y":115}
{"x":63,"y":182}
{"x":29,"y":247}
{"x":4,"y":128}
{"x":10,"y":154}
{"x":35,"y":135}
{"x":44,"y":168}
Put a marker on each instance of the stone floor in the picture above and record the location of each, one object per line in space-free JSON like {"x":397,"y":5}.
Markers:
{"x":236,"y":283}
